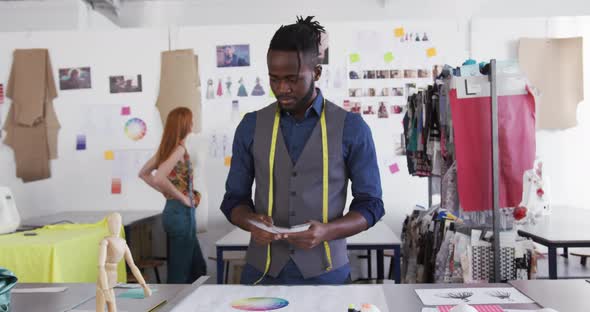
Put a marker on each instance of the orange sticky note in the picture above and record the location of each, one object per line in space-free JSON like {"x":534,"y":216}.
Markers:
{"x":431,"y":52}
{"x":227,"y":161}
{"x":109,"y":155}
{"x":399,"y":32}
{"x":116,"y":186}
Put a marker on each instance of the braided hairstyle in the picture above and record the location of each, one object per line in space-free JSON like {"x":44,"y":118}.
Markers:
{"x":303,"y":37}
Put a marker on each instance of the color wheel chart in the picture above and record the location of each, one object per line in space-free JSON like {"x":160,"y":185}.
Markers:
{"x":135,"y":129}
{"x":259,"y":304}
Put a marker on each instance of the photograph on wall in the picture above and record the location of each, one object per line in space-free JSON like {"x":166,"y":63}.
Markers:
{"x":125,"y":84}
{"x":382,"y":112}
{"x":369,"y":74}
{"x":355,"y":108}
{"x":396,"y":109}
{"x":353,"y":75}
{"x":355,"y":92}
{"x":410,"y":73}
{"x":324,"y":49}
{"x":383,"y":74}
{"x":385,"y":92}
{"x":396,"y":74}
{"x":423,"y":73}
{"x":368,"y":110}
{"x":398,"y":91}
{"x":346,"y":105}
{"x":371,"y":92}
{"x":75,"y":78}
{"x":237,"y":55}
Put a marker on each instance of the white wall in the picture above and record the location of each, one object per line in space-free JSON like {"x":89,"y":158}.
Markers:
{"x":51,"y":15}
{"x":224,"y":12}
{"x":81,"y":179}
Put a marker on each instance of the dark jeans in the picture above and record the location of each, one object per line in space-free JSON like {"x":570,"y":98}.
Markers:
{"x":185,"y":258}
{"x":290,"y":275}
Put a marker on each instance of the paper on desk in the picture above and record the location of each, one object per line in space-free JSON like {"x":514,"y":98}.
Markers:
{"x":483,"y":295}
{"x":281,"y":230}
{"x":38,"y":290}
{"x":301,"y":298}
{"x":134,"y":293}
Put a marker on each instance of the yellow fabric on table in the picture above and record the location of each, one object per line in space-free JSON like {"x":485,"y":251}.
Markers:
{"x":63,"y":253}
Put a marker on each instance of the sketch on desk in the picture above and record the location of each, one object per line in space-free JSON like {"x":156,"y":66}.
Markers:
{"x":462,"y":295}
{"x":500,"y":294}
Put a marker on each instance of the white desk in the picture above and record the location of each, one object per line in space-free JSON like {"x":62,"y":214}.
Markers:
{"x":397,"y":297}
{"x":565,"y":227}
{"x":82,"y":296}
{"x":379,"y":238}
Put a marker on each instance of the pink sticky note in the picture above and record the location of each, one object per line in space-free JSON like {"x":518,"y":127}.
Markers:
{"x":394,"y":168}
{"x":125,"y":110}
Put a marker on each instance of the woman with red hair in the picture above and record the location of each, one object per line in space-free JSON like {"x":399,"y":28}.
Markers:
{"x":174,"y":179}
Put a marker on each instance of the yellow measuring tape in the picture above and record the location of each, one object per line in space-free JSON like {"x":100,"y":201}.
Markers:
{"x":271,"y":162}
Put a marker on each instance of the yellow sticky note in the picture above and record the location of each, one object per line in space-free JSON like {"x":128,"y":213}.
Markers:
{"x":354,"y":58}
{"x":431,"y":52}
{"x":227,"y":161}
{"x":388,"y":57}
{"x":270,"y":93}
{"x":109,"y":155}
{"x":399,"y":32}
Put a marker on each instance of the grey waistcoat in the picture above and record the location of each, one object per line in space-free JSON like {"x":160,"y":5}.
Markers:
{"x":298,"y":191}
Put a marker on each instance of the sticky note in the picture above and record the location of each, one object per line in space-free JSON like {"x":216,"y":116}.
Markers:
{"x":116,"y":186}
{"x":135,"y":293}
{"x":109,"y":155}
{"x":80,"y":142}
{"x":399,"y":32}
{"x":270,"y":93}
{"x":125,"y":110}
{"x":354,"y":58}
{"x":394,"y":168}
{"x":431,"y":52}
{"x":388,"y":57}
{"x":227,"y":161}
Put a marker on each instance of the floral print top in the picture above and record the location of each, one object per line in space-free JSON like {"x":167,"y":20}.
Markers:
{"x":180,"y":177}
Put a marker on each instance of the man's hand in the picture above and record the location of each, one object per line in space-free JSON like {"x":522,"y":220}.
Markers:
{"x":260,"y":236}
{"x":315,"y":235}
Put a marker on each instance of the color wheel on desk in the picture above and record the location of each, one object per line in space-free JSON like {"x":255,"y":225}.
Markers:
{"x":259,"y":304}
{"x":135,"y":129}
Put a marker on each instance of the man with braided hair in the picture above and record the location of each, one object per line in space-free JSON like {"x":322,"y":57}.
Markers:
{"x":301,"y":150}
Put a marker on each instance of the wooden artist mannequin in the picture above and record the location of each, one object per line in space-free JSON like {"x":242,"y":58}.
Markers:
{"x":112,"y":249}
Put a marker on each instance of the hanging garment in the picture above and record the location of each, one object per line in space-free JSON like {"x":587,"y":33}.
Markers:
{"x":473,"y":148}
{"x":180,"y":85}
{"x":31,"y":125}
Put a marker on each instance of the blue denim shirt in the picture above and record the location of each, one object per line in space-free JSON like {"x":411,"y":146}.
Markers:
{"x":357,"y":147}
